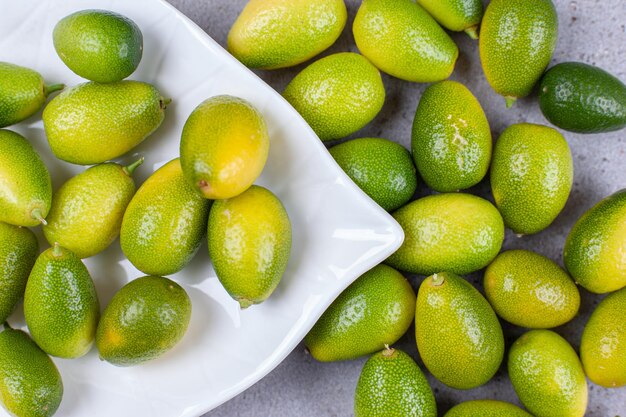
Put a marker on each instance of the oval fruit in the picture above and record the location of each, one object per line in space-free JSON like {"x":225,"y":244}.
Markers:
{"x":456,"y":15}
{"x":99,"y":45}
{"x":603,"y":343}
{"x":25,"y":184}
{"x":249,"y":244}
{"x":529,"y":290}
{"x":374,"y":311}
{"x":392,"y":385}
{"x":451,"y":140}
{"x":61,"y":306}
{"x":337,"y":95}
{"x":86,"y":214}
{"x":145,"y":319}
{"x":22,"y":93}
{"x":165,"y":222}
{"x":547,"y":375}
{"x":283,"y":33}
{"x":18,"y":251}
{"x":460,"y":233}
{"x":517,"y":39}
{"x":458,"y":335}
{"x":532,"y":172}
{"x":486,"y":408}
{"x":403,"y":40}
{"x":595,"y":247}
{"x":224,"y":146}
{"x":30,"y":383}
{"x":583,"y":98}
{"x":108,"y":120}
{"x":381,"y":168}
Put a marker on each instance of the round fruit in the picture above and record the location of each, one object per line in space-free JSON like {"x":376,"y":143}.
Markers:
{"x":529,"y":290}
{"x":486,"y":408}
{"x":99,"y":45}
{"x":337,"y":95}
{"x":374,"y":311}
{"x":595,"y":247}
{"x":460,"y":233}
{"x":145,"y":319}
{"x":451,"y":139}
{"x":456,"y":15}
{"x":380,"y":167}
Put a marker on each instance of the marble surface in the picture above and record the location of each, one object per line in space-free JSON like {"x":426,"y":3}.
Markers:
{"x":591,"y":31}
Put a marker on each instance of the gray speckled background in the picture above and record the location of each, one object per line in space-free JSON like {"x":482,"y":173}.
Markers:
{"x":591,"y":31}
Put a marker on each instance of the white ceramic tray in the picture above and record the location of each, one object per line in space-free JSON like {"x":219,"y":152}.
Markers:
{"x":338,"y":232}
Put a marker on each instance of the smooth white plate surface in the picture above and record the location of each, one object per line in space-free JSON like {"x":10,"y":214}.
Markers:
{"x":338,"y":232}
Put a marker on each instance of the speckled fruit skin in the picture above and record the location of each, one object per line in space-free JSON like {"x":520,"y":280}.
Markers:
{"x":458,"y":335}
{"x":22,"y":93}
{"x":547,"y":375}
{"x":144,"y":320}
{"x":456,"y":15}
{"x":86,"y":213}
{"x":594,"y":249}
{"x":249,"y":244}
{"x":78,"y":131}
{"x":380,"y":167}
{"x":25,"y":184}
{"x":30,"y":383}
{"x":583,"y":98}
{"x":530,"y":290}
{"x":164,"y":223}
{"x":460,"y":233}
{"x":337,"y":95}
{"x":517,"y":39}
{"x":403,"y":40}
{"x":374,"y":311}
{"x":99,"y":45}
{"x":223,"y":147}
{"x":486,"y":408}
{"x":18,"y":251}
{"x":532,"y":173}
{"x":451,"y":138}
{"x":603,"y":343}
{"x":61,"y":306}
{"x":271,"y":34}
{"x":392,"y":385}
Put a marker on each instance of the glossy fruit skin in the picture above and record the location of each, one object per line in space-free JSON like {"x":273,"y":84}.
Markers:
{"x":61,"y":306}
{"x":455,"y":15}
{"x":164,"y":314}
{"x":583,"y":98}
{"x":392,"y":385}
{"x":532,"y":173}
{"x":403,"y":40}
{"x":374,"y":311}
{"x":86,"y":213}
{"x":486,"y":408}
{"x":547,"y":375}
{"x":458,"y":335}
{"x":337,"y":95}
{"x":381,"y":168}
{"x":30,"y":383}
{"x":460,"y":233}
{"x":164,"y":223}
{"x":594,"y":248}
{"x":99,"y":45}
{"x":249,"y":244}
{"x":18,"y":251}
{"x":530,"y":290}
{"x":451,"y":138}
{"x":603,"y":343}
{"x":517,"y":39}
{"x":93,"y":123}
{"x":25,"y":184}
{"x":22,"y":93}
{"x":224,"y":147}
{"x":283,"y":33}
